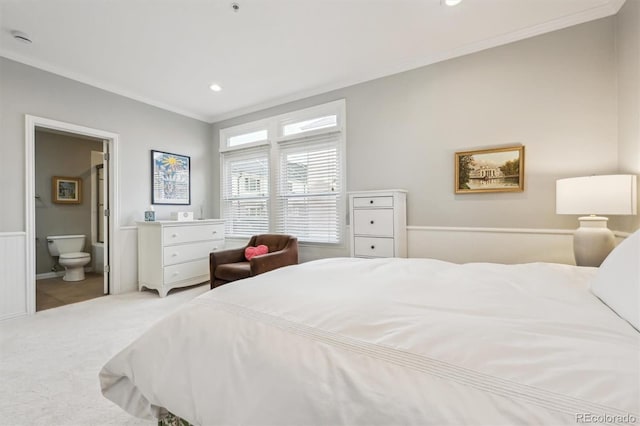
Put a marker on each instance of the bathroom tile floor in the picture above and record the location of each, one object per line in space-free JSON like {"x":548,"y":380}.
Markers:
{"x":54,"y":292}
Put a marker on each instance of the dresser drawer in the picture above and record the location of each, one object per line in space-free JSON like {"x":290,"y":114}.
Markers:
{"x":186,"y":252}
{"x":378,"y":222}
{"x":185,"y":271}
{"x":373,"y":247}
{"x":188,"y":233}
{"x":359,"y":202}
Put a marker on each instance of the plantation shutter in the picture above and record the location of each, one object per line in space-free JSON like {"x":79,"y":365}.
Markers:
{"x":309,"y":188}
{"x":245,"y":192}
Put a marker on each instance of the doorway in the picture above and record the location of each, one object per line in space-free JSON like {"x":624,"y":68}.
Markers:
{"x":80,"y":163}
{"x":67,"y":182}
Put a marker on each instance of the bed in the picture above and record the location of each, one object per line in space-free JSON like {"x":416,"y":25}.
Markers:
{"x":350,"y":341}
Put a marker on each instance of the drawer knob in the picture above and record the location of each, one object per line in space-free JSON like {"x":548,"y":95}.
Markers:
{"x":373,"y":247}
{"x":174,"y":235}
{"x":176,"y":273}
{"x":174,"y":254}
{"x":214,"y":232}
{"x":370,"y":201}
{"x":372,"y":222}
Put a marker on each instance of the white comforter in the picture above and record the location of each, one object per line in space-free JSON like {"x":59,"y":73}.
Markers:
{"x":388,"y":342}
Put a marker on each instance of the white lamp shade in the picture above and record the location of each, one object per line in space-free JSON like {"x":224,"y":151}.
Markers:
{"x":605,"y":194}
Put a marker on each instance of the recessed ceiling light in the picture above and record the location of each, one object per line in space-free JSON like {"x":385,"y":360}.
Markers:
{"x":21,"y":37}
{"x":215,"y":87}
{"x":452,"y":2}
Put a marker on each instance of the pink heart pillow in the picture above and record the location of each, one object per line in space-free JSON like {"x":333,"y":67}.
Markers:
{"x":250,"y":251}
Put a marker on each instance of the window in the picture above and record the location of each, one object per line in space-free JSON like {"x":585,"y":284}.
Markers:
{"x":260,"y":135}
{"x":310,"y":189}
{"x":245,"y":192}
{"x":244,"y":136}
{"x":301,"y":190}
{"x":309,"y":125}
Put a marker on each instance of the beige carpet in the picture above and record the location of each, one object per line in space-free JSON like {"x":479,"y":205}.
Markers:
{"x":49,"y":362}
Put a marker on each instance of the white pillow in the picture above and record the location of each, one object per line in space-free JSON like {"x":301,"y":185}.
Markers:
{"x":617,"y":282}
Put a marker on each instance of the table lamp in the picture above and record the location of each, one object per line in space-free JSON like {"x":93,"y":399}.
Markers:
{"x":592,"y":196}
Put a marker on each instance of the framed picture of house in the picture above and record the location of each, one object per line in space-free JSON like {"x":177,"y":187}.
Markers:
{"x":490,"y":170}
{"x":66,"y":190}
{"x":170,"y":178}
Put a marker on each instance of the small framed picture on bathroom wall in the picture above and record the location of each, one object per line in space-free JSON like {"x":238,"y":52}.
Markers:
{"x":66,"y":190}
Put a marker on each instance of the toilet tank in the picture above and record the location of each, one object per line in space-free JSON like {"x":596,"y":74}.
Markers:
{"x":61,"y":244}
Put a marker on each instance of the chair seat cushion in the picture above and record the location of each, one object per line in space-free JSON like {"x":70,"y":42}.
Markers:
{"x":233,"y":271}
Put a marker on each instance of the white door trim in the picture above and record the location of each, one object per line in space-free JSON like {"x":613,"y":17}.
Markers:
{"x":31,"y":122}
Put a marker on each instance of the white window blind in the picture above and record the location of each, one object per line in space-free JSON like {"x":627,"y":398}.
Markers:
{"x":309,"y":188}
{"x":245,"y":192}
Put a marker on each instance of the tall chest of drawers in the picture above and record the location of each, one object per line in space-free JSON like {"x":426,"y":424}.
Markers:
{"x":175,"y":254}
{"x":378,"y":223}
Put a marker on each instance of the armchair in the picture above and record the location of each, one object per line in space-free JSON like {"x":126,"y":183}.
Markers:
{"x":231,"y":265}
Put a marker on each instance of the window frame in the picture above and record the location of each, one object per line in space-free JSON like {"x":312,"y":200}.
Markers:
{"x":252,"y":151}
{"x":275,"y":130}
{"x":254,"y":126}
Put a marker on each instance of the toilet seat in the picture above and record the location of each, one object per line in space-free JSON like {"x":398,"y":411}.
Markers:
{"x":75,"y":255}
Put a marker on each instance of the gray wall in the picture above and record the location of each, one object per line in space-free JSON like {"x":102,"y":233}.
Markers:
{"x":555,"y":94}
{"x":628,"y":57}
{"x":27,"y":90}
{"x":61,"y":155}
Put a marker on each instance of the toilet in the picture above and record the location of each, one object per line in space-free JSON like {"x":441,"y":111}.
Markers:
{"x":68,"y":248}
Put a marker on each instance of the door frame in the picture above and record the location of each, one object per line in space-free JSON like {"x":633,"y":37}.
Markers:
{"x":31,"y":123}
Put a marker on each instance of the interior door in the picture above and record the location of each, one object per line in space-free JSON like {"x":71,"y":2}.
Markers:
{"x":104,"y":212}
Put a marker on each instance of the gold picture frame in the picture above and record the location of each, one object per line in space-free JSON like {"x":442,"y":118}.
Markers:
{"x":66,"y":190}
{"x":490,"y":170}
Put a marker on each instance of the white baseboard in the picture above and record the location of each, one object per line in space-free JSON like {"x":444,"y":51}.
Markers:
{"x":47,"y":275}
{"x":57,"y":274}
{"x":12,"y":316}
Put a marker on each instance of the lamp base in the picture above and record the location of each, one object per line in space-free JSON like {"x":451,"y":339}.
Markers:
{"x":592,"y":241}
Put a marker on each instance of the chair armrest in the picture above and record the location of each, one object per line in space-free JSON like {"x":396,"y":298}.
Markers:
{"x":277,"y":259}
{"x":225,"y":256}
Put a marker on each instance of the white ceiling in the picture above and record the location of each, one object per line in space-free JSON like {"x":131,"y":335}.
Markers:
{"x":167,"y":52}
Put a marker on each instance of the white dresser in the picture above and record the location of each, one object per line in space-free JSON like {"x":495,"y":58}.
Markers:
{"x":176,"y":254}
{"x":378,"y":223}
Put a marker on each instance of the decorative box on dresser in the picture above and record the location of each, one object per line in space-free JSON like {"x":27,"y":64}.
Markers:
{"x":175,"y":254}
{"x":378,"y":223}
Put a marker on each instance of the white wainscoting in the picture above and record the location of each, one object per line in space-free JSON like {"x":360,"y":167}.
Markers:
{"x":128,"y":260}
{"x":468,"y":244}
{"x":13,"y":293}
{"x":498,"y":245}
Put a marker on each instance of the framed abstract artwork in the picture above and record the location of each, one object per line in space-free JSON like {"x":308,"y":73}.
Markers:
{"x":490,"y":170}
{"x":170,"y":178}
{"x":66,"y":190}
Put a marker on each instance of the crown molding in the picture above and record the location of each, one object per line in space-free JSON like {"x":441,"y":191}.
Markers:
{"x":62,"y":72}
{"x":603,"y":11}
{"x":610,"y":8}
